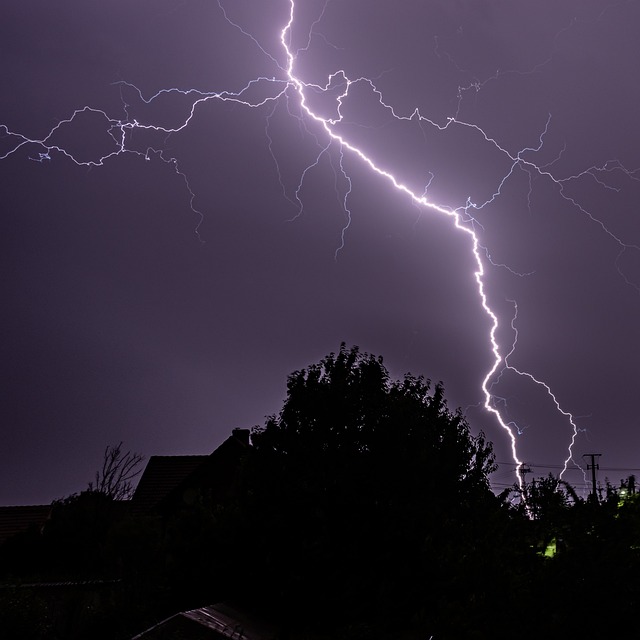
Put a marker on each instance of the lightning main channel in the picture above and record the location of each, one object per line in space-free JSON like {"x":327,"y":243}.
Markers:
{"x":289,"y":88}
{"x":460,"y":215}
{"x":419,"y":199}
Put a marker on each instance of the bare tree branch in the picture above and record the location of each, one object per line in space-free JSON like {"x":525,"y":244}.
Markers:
{"x":118,"y":470}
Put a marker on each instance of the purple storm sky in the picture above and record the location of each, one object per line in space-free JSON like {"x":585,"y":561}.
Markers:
{"x":162,"y":296}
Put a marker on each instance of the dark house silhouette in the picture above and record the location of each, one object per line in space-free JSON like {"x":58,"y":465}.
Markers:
{"x":171,"y":483}
{"x":168,"y":487}
{"x":167,"y":484}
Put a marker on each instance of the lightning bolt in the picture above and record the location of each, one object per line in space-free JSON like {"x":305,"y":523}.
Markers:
{"x":288,"y":88}
{"x":420,"y":199}
{"x":525,"y":374}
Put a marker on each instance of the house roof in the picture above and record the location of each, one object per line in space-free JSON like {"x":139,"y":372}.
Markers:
{"x":162,"y":475}
{"x":214,"y":622}
{"x":172,"y":478}
{"x":14,"y":520}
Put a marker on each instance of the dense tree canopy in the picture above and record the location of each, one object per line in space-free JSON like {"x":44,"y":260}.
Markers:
{"x":358,"y":488}
{"x":346,"y":407}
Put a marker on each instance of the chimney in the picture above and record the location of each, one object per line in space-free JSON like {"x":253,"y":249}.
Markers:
{"x":243,"y":435}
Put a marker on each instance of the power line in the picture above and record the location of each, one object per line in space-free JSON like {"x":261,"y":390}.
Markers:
{"x":561,"y":466}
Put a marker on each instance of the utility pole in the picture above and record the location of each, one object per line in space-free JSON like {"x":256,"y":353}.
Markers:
{"x":523,"y":469}
{"x":593,"y":466}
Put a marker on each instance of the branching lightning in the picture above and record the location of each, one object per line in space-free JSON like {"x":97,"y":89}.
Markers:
{"x":524,"y":374}
{"x":287,"y":88}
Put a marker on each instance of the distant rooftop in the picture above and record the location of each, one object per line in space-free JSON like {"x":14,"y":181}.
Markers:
{"x":14,"y":520}
{"x":164,"y":479}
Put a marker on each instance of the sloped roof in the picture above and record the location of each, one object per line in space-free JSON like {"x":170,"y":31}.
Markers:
{"x":14,"y":520}
{"x":161,"y":476}
{"x":171,"y":478}
{"x":214,"y":622}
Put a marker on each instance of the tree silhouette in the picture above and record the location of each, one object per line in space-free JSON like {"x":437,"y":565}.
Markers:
{"x":363,"y":491}
{"x":119,"y":468}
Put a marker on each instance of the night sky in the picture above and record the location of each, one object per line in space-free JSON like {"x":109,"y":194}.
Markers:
{"x":159,"y":287}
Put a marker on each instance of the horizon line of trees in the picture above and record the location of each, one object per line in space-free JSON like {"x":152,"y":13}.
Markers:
{"x":362,"y":511}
